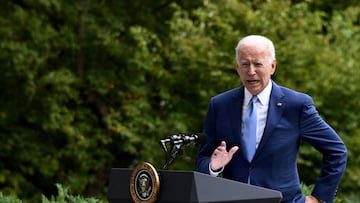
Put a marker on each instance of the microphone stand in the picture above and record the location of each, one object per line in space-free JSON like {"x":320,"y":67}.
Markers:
{"x":175,"y":150}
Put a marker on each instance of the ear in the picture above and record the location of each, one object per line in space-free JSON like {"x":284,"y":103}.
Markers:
{"x":238,"y":69}
{"x":273,"y":67}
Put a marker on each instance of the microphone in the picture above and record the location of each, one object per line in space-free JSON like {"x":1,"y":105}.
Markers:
{"x":184,"y":139}
{"x":178,"y":142}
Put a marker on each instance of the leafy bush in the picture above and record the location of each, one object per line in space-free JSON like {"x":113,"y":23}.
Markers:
{"x":63,"y":196}
{"x":8,"y":199}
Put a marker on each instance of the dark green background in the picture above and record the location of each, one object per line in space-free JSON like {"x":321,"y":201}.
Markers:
{"x":90,"y":85}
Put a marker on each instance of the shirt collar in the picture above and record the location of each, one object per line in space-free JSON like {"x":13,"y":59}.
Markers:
{"x":263,"y":96}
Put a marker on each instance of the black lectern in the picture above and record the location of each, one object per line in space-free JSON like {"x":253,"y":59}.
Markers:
{"x":191,"y":187}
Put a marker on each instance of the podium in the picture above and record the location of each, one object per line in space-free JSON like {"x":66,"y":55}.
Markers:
{"x":191,"y":187}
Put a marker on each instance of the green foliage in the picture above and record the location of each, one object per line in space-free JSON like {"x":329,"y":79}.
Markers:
{"x":88,"y":86}
{"x":63,"y":196}
{"x":8,"y":199}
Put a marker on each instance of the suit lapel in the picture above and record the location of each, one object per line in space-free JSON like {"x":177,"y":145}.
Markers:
{"x":275,"y":111}
{"x":235,"y":109}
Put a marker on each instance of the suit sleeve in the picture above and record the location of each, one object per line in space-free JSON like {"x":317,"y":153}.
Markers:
{"x":206,"y":149}
{"x":320,"y":135}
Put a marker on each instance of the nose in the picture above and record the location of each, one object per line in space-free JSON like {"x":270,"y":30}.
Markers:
{"x":251,"y":70}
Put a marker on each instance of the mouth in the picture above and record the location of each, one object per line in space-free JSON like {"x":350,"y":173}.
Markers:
{"x":252,"y":82}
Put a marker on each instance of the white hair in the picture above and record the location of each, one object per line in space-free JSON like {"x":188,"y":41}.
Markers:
{"x":257,"y":39}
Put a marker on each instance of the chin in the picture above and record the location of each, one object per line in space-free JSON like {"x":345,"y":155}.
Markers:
{"x":254,"y":91}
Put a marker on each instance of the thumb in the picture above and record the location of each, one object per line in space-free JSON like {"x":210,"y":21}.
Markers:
{"x":233,"y":150}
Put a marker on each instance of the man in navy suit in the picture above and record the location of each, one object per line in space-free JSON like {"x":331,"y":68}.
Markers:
{"x":284,"y":118}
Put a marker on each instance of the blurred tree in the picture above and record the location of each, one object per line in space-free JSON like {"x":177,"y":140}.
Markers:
{"x":88,"y":86}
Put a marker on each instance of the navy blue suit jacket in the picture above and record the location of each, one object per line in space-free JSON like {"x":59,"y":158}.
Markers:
{"x":292,"y":118}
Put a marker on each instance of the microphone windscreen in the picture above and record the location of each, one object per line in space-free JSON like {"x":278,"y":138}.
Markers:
{"x":201,"y":138}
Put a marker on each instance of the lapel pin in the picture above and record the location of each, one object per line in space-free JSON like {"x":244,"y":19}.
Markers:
{"x":279,"y":104}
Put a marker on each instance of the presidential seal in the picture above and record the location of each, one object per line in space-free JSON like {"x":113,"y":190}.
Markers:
{"x":144,"y":183}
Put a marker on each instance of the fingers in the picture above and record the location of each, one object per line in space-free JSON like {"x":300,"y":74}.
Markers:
{"x":233,"y":150}
{"x":222,"y":148}
{"x":311,"y":199}
{"x":221,"y":156}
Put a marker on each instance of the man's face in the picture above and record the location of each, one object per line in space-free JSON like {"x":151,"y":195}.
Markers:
{"x":255,"y":67}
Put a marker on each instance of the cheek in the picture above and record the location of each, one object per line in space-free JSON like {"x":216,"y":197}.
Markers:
{"x":238,"y":71}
